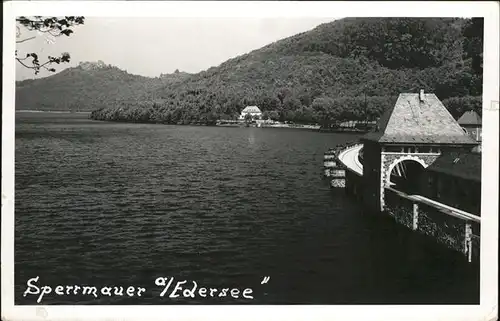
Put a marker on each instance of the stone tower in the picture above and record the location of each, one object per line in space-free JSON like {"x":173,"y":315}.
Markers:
{"x":416,"y":130}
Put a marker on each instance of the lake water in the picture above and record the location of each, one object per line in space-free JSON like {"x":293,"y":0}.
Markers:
{"x":99,"y":203}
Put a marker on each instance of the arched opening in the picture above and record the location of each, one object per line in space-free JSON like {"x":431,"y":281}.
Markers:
{"x":406,"y":176}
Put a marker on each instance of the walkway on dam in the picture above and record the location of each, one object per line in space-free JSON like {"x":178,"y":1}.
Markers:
{"x":349,"y":157}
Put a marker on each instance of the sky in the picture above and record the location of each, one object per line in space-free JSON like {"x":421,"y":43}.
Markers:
{"x":151,"y":46}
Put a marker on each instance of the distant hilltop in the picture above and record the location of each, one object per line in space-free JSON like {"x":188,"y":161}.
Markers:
{"x":175,"y":74}
{"x":89,"y":86}
{"x":90,"y":65}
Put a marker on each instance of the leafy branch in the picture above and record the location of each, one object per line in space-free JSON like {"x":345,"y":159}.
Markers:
{"x":55,"y":27}
{"x":35,"y":63}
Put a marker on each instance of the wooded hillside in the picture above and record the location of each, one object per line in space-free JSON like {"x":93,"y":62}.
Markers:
{"x":349,"y":69}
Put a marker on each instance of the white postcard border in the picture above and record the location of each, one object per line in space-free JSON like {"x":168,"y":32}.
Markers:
{"x":488,"y":308}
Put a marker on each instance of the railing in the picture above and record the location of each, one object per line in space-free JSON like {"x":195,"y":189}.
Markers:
{"x":422,"y":214}
{"x":452,"y":211}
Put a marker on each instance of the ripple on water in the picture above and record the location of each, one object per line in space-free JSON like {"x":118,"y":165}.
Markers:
{"x":108,"y":203}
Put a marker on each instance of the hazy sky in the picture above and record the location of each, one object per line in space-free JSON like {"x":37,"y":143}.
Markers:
{"x":151,"y":46}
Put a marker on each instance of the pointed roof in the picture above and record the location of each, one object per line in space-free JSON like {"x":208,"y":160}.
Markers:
{"x":251,"y":109}
{"x":470,"y":118}
{"x":411,"y":120}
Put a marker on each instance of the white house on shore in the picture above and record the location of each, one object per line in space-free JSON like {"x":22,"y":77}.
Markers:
{"x":254,"y":111}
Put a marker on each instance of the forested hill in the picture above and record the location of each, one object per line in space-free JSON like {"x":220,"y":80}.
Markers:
{"x":323,"y":75}
{"x":89,"y":86}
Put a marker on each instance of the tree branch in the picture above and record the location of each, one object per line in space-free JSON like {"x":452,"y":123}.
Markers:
{"x":19,"y":41}
{"x":22,"y":63}
{"x":35,"y":67}
{"x":55,"y":26}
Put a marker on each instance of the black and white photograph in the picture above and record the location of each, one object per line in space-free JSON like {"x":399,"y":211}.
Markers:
{"x":246,"y":155}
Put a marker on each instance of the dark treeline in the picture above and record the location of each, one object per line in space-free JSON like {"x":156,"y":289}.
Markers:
{"x":350,"y":69}
{"x":323,"y":110}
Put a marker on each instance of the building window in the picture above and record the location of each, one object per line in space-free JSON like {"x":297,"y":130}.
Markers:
{"x":392,"y":149}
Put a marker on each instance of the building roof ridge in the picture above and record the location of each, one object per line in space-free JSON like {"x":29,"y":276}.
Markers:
{"x":419,"y":118}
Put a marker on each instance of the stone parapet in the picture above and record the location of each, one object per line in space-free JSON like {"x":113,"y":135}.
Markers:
{"x":455,"y":232}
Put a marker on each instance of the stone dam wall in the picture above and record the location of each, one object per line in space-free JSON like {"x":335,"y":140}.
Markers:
{"x":453,"y":232}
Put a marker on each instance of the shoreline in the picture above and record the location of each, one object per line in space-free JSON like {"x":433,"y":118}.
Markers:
{"x":51,"y":111}
{"x":230,"y":125}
